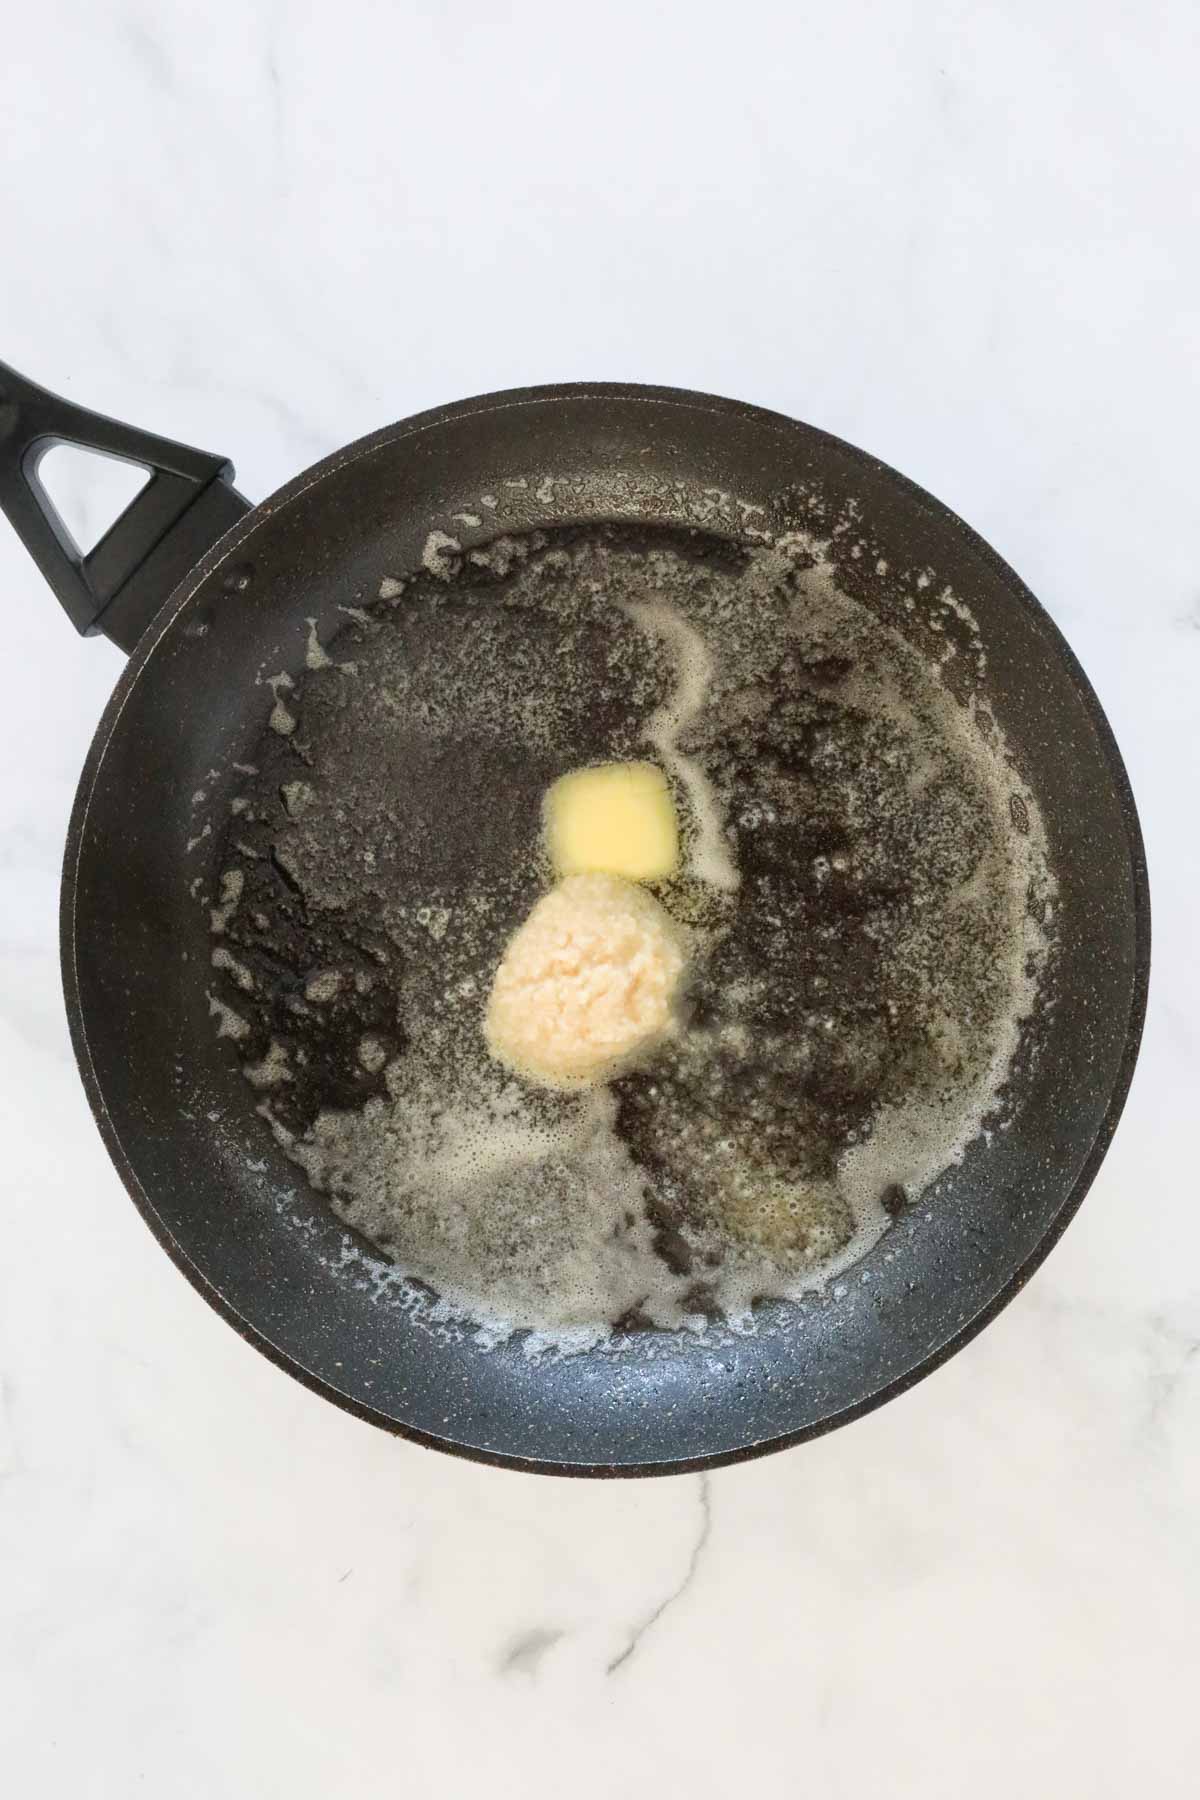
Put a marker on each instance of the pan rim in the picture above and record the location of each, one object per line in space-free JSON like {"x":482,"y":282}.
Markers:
{"x":680,"y":399}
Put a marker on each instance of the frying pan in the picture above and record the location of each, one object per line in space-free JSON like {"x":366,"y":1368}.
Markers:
{"x":204,"y":591}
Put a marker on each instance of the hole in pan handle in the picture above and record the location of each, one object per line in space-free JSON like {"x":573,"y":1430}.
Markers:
{"x":188,"y":503}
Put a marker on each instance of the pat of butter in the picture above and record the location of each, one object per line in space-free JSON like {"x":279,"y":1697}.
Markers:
{"x":613,"y":819}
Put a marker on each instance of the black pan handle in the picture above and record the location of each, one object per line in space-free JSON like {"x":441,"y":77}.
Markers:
{"x":187,"y":504}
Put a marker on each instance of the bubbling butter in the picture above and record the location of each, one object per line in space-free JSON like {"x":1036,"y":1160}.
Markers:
{"x":587,"y":984}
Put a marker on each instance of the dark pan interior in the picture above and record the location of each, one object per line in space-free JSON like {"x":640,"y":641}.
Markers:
{"x":179,"y":1119}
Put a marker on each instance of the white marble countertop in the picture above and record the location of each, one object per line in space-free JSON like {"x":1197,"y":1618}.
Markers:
{"x":959,"y":234}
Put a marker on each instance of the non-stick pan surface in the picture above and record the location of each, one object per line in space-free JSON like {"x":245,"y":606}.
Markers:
{"x":179,"y":1119}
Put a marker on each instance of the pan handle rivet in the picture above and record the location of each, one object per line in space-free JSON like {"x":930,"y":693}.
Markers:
{"x":238,"y":579}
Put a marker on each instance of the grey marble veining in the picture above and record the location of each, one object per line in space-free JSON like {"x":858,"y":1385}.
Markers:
{"x":957,"y":234}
